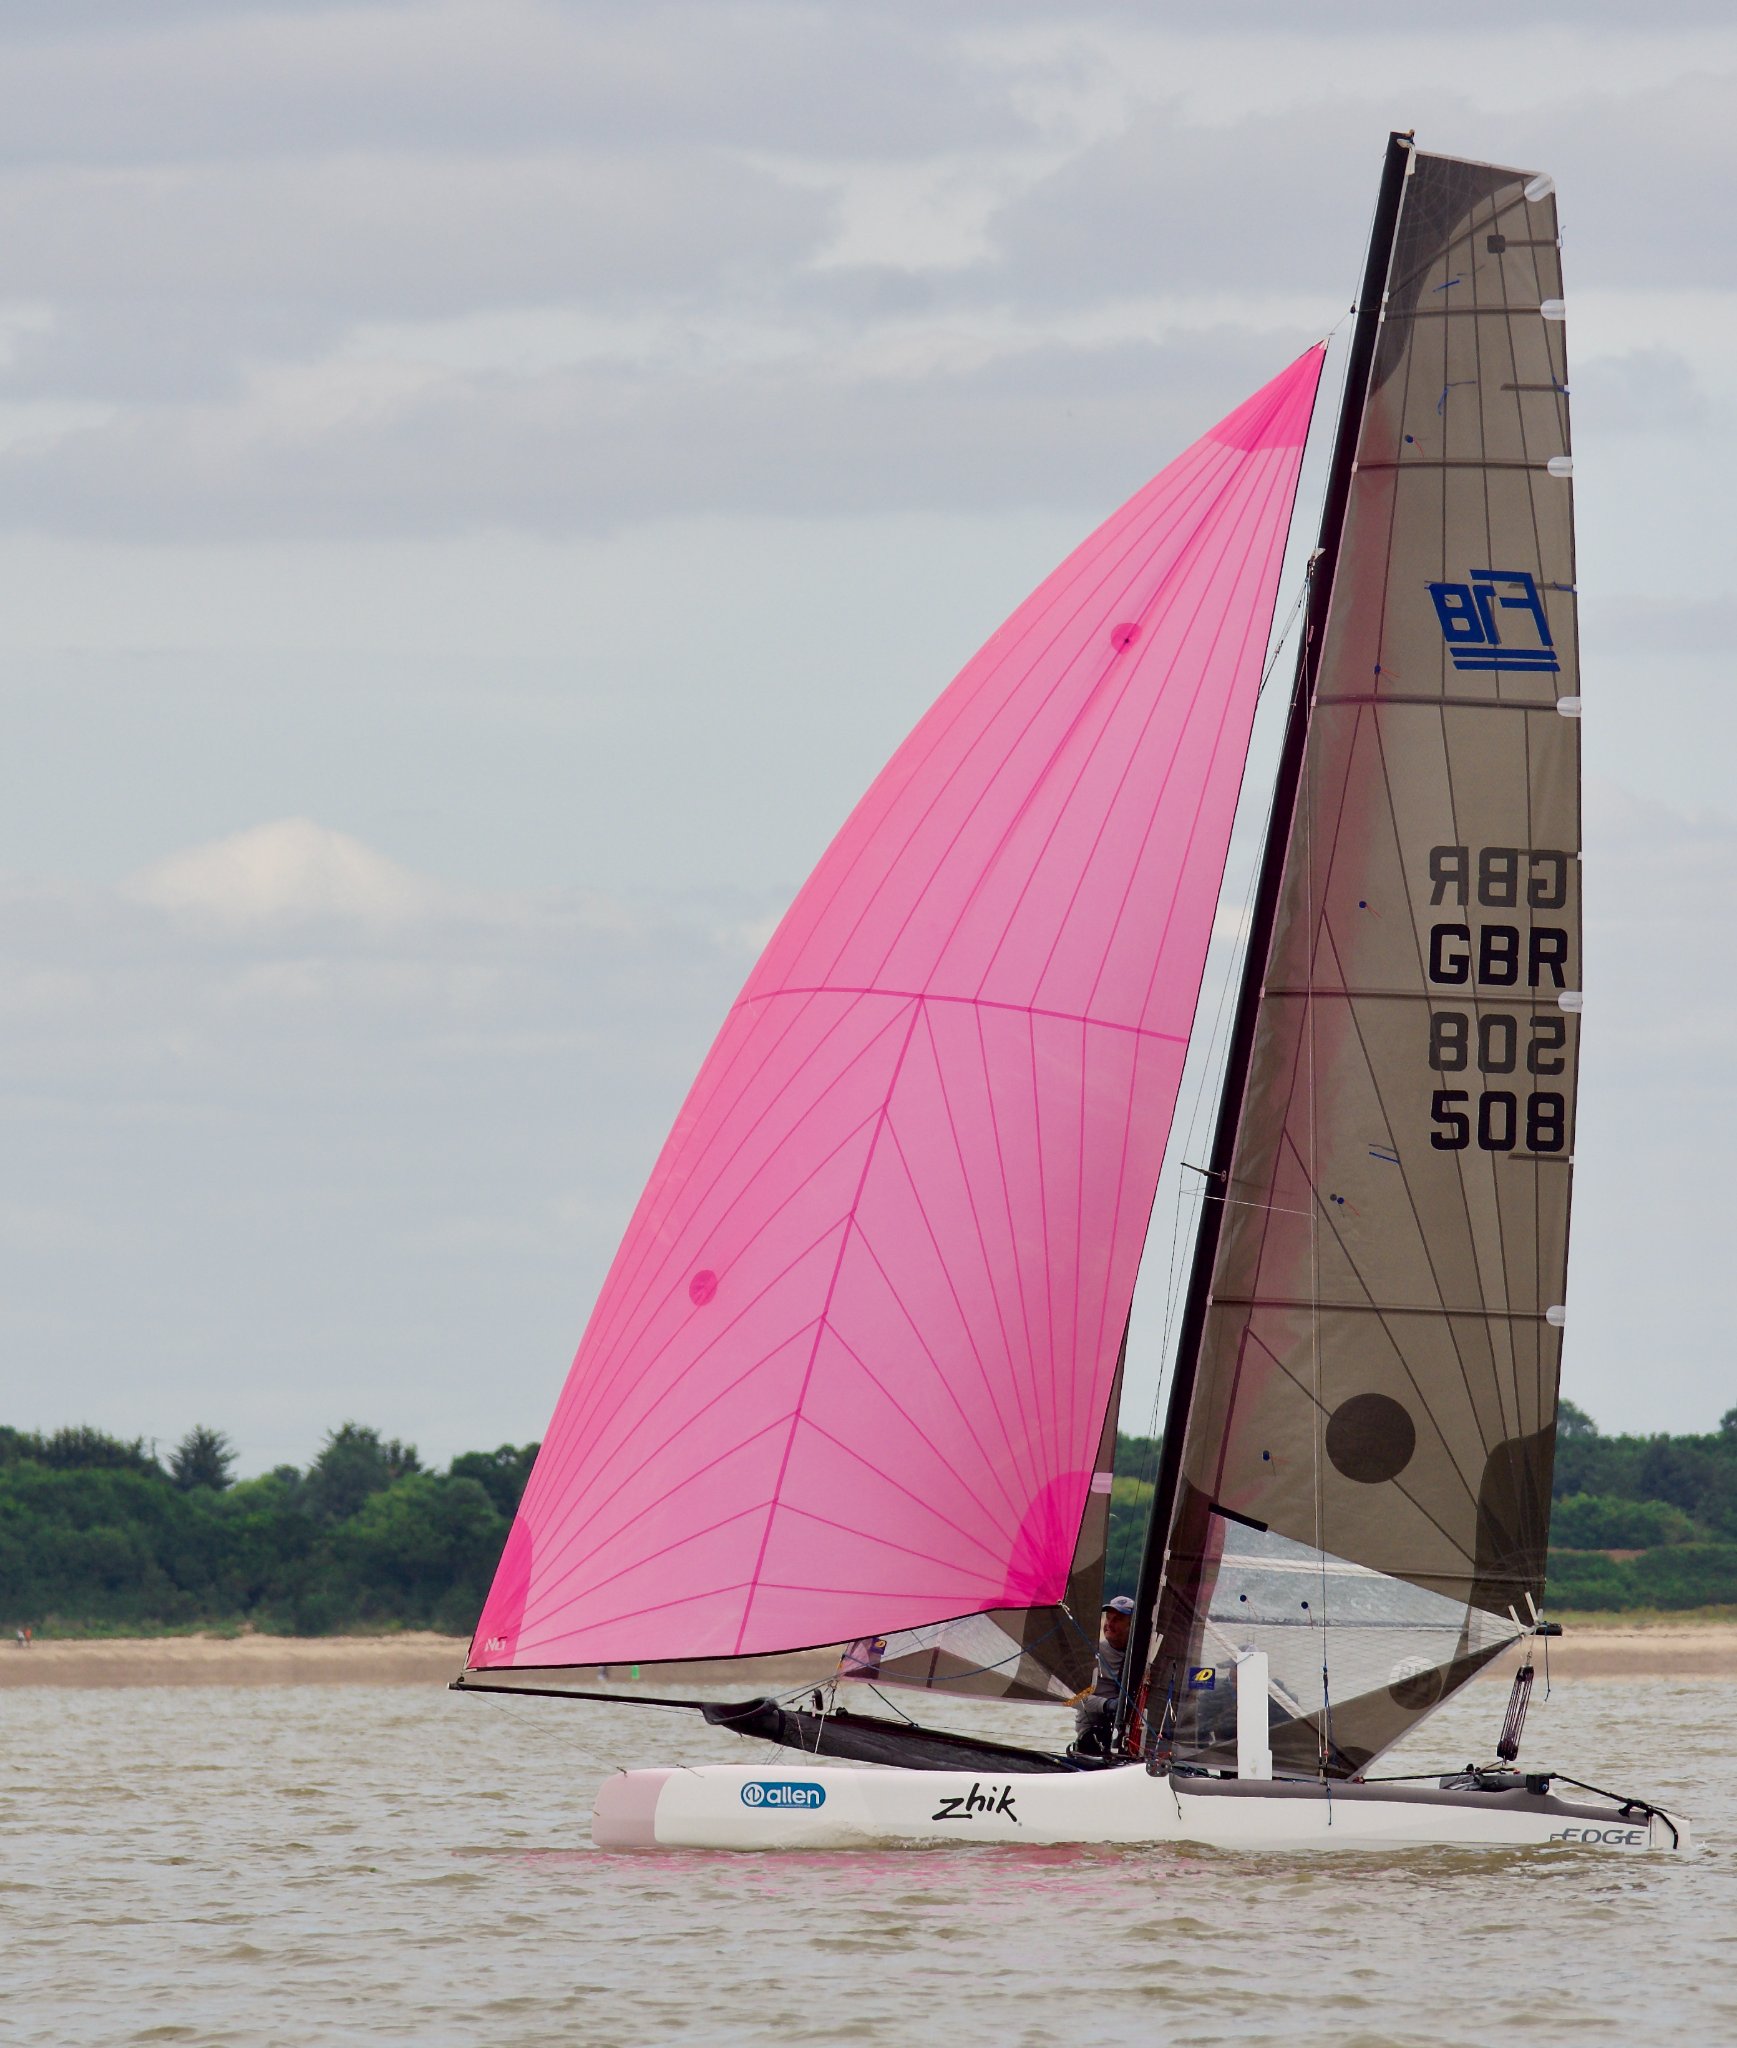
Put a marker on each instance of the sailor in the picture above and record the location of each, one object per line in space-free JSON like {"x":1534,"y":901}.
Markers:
{"x":1095,"y":1712}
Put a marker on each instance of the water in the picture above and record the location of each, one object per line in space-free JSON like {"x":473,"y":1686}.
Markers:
{"x":349,"y":1864}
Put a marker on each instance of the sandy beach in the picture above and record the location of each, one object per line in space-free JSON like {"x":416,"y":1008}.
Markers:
{"x":410,"y":1658}
{"x":1648,"y":1647}
{"x":1653,"y":1647}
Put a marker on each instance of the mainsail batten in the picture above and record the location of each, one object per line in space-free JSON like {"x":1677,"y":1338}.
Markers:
{"x":850,"y":1374}
{"x":1371,"y":1396}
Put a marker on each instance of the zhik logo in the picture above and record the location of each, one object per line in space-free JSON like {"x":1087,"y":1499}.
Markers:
{"x":967,"y":1804}
{"x":1467,"y":612}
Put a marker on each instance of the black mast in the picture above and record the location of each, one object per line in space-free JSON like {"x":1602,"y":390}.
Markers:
{"x":1321,"y":572}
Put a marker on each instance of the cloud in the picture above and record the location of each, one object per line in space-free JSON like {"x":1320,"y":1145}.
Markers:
{"x":305,"y":1132}
{"x":1280,"y":199}
{"x":363,"y":234}
{"x":1651,"y":626}
{"x":289,"y":872}
{"x":467,"y":78}
{"x":370,"y":449}
{"x":427,"y":268}
{"x":152,"y":350}
{"x":306,"y":295}
{"x":1658,"y":1115}
{"x":1645,"y":391}
{"x":1659,"y":880}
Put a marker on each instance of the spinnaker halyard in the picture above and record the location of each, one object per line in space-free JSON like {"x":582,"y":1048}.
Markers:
{"x":844,"y":1413}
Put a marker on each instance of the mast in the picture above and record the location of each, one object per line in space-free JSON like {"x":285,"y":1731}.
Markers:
{"x":1322,"y":568}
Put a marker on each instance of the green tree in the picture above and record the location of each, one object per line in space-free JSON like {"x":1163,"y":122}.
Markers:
{"x":501,"y":1473}
{"x":1671,"y":1468}
{"x":355,"y":1462}
{"x":1573,"y":1425}
{"x":76,"y":1450}
{"x":203,"y":1457}
{"x":102,"y":1544}
{"x":1130,"y":1508}
{"x":1594,"y":1521}
{"x":267,"y":1549}
{"x":422,"y":1550}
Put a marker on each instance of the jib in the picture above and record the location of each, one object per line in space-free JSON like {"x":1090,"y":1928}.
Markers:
{"x":1620,"y":1838}
{"x":1498,"y":952}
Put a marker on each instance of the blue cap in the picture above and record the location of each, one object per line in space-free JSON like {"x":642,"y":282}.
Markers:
{"x":1120,"y":1605}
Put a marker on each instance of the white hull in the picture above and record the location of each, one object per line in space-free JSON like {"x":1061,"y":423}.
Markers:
{"x":788,"y":1805}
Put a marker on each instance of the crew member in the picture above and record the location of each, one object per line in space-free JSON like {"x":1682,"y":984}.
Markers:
{"x":1095,"y":1713}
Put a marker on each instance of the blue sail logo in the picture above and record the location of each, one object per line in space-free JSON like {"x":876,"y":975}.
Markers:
{"x":1467,"y":612}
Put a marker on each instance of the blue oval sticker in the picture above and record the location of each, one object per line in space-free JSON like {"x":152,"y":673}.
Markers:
{"x":782,"y":1792}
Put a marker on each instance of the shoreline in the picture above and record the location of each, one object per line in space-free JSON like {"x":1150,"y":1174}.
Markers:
{"x":412,"y":1657}
{"x":1651,"y":1646}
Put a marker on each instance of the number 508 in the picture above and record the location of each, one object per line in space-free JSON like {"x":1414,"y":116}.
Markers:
{"x":1498,"y":1118}
{"x":1491,"y":1044}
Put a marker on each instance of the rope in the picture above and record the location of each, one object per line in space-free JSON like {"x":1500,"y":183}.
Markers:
{"x":1625,"y":1805}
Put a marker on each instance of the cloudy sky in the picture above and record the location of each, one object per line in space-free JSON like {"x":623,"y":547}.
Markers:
{"x":484,"y":485}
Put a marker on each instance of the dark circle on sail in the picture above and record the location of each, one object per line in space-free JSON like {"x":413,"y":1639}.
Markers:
{"x":1417,"y":1690}
{"x":702,"y":1287}
{"x":1370,"y":1438}
{"x":1123,"y":636}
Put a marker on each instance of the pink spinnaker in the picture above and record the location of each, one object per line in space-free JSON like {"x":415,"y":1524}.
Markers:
{"x":848,"y":1370}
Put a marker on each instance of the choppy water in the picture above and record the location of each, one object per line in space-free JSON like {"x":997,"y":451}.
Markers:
{"x":330,"y":1865}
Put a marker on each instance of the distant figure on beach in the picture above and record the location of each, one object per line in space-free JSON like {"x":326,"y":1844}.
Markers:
{"x":24,"y":1636}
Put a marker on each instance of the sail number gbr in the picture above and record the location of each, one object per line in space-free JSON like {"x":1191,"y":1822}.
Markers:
{"x":1497,"y":954}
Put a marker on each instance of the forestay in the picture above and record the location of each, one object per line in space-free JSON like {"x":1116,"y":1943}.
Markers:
{"x":850,"y":1375}
{"x":1366,"y":1470}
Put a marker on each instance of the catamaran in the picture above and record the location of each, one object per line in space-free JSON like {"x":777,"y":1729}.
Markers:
{"x":841,"y":1427}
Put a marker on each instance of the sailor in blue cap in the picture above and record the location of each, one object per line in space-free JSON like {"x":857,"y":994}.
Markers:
{"x":1095,"y":1711}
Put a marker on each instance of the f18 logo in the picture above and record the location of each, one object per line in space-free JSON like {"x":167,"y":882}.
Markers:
{"x":1467,"y":612}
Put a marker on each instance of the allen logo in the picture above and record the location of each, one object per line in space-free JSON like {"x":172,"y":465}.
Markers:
{"x":782,"y":1792}
{"x":1467,"y":612}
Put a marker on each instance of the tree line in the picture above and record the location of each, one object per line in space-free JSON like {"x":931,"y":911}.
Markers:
{"x":1635,"y":1521}
{"x":100,"y":1535}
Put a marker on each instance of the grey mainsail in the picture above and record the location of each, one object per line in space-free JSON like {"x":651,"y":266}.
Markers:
{"x":1363,"y":1443}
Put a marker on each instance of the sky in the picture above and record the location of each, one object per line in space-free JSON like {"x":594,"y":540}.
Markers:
{"x":484,"y":485}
